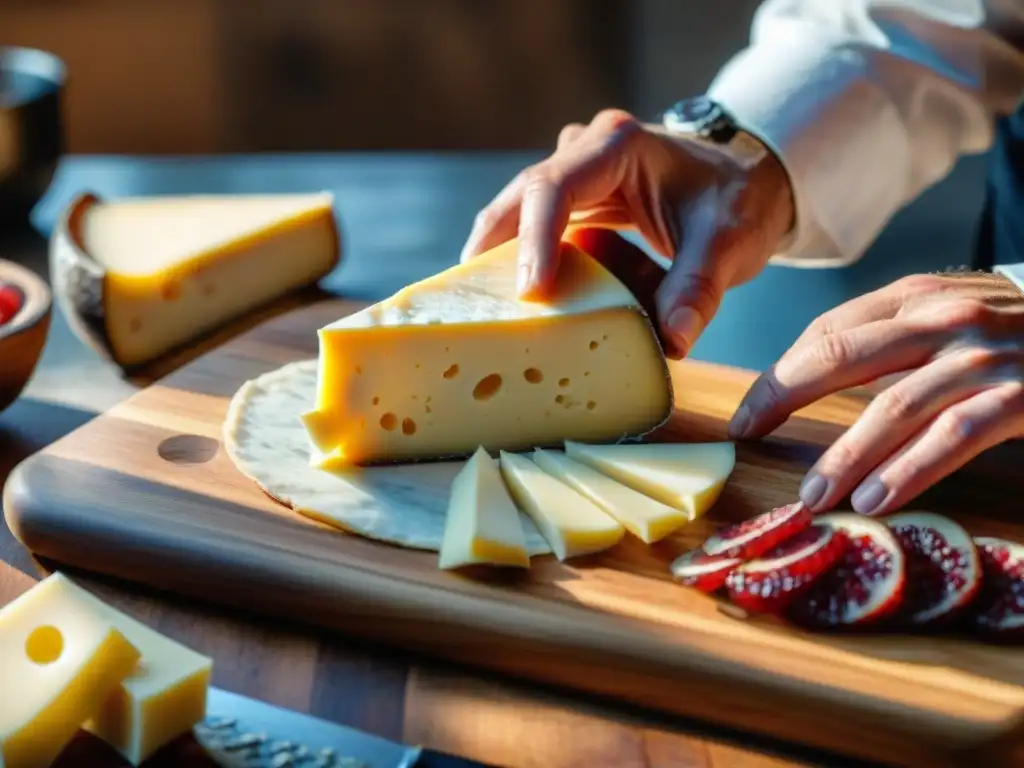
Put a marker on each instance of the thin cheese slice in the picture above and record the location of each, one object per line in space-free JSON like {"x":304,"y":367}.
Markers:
{"x":163,"y":698}
{"x":60,"y":658}
{"x":571,"y":523}
{"x":458,"y":361}
{"x":644,"y":517}
{"x":141,"y":276}
{"x":687,"y":476}
{"x":483,"y":525}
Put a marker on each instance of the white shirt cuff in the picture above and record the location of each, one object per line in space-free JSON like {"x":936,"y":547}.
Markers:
{"x":810,"y":100}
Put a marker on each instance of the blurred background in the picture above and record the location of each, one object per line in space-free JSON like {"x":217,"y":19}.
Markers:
{"x":216,"y":77}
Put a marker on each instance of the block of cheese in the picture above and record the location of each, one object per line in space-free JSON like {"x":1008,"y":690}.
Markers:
{"x":59,"y":659}
{"x":458,"y":361}
{"x":571,"y":523}
{"x":139,"y":277}
{"x":164,"y":697}
{"x":644,"y":517}
{"x":482,"y":526}
{"x":687,"y":476}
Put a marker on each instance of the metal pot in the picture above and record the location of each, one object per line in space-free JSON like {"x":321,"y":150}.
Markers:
{"x":31,"y":128}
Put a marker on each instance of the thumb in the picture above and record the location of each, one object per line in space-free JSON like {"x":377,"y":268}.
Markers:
{"x":691,"y":292}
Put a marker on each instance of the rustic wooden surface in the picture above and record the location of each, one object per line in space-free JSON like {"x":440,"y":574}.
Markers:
{"x":145,"y":493}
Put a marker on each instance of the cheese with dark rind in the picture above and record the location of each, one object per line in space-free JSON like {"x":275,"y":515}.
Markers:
{"x":140,"y":277}
{"x":458,"y":361}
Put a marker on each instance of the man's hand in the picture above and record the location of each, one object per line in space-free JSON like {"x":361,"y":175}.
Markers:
{"x":958,"y":340}
{"x":717,"y":217}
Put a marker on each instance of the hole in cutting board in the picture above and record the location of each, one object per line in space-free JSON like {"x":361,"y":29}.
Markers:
{"x":188,"y":449}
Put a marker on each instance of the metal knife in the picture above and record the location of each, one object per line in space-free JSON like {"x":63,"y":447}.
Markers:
{"x":240,"y":732}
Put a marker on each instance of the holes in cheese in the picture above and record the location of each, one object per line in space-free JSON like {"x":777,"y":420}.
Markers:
{"x":487,"y":387}
{"x":59,"y":659}
{"x":502,"y":361}
{"x":482,"y":525}
{"x":44,"y":645}
{"x":570,"y":523}
{"x":138,"y":277}
{"x":644,"y":517}
{"x":686,"y":476}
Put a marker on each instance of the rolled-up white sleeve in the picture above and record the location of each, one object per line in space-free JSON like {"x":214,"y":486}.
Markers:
{"x":868,"y":102}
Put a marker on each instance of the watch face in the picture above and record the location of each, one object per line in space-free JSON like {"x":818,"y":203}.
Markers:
{"x":695,"y":110}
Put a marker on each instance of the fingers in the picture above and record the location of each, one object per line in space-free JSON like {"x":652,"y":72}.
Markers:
{"x":498,"y":222}
{"x":569,"y":134}
{"x":836,"y":361}
{"x":949,"y":441}
{"x":584,"y":172}
{"x":882,"y":304}
{"x":890,"y":420}
{"x":691,"y":292}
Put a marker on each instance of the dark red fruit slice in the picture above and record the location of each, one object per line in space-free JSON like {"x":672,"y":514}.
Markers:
{"x":11,"y":299}
{"x":999,"y":607}
{"x":769,"y":583}
{"x":702,"y":571}
{"x":943,"y":569}
{"x":752,"y":538}
{"x":865,"y":585}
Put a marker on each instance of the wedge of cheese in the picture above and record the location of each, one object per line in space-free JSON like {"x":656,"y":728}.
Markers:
{"x":60,"y":658}
{"x":686,"y":476}
{"x":164,"y":697}
{"x":647,"y":519}
{"x":139,"y":277}
{"x":570,"y":523}
{"x":459,"y":361}
{"x":482,"y":526}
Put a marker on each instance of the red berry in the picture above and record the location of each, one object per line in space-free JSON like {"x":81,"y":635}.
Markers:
{"x":11,"y":299}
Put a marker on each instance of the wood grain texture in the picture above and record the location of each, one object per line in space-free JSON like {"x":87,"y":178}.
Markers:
{"x":103,"y":498}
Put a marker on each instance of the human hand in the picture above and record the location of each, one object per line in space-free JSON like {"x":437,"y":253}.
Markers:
{"x":960,"y":341}
{"x":717,"y":216}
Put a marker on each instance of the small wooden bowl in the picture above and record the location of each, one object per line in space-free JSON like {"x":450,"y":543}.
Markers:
{"x":23,"y":337}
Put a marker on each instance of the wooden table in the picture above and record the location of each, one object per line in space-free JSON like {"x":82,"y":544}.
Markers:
{"x":403,"y":218}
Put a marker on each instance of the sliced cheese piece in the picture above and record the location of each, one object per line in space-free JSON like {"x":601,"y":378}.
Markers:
{"x":571,"y":523}
{"x":164,"y":697}
{"x":482,"y":526}
{"x":138,"y":277}
{"x":644,"y":517}
{"x":687,"y":476}
{"x":458,"y":361}
{"x":60,"y":658}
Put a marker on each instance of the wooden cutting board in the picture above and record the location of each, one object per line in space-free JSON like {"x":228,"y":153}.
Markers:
{"x":145,"y":492}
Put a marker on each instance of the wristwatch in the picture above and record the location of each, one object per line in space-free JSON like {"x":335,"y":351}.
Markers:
{"x":708,"y":121}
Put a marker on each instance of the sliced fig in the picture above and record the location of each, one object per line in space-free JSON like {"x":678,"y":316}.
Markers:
{"x":768,"y":584}
{"x":864,"y":586}
{"x":753,"y":538}
{"x":943,"y":569}
{"x":998,"y":609}
{"x":702,"y":571}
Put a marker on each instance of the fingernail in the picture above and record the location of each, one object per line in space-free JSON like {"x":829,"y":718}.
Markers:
{"x":740,"y":422}
{"x":869,"y":497}
{"x":523,"y":278}
{"x":684,"y":323}
{"x":813,"y":489}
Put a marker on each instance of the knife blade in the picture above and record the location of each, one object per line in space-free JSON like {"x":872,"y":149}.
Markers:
{"x":239,"y":732}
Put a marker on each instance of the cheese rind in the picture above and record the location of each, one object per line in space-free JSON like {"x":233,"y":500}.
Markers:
{"x":164,"y":697}
{"x":571,"y":523}
{"x":59,"y":658}
{"x":139,"y":277}
{"x":458,"y":361}
{"x":687,"y":476}
{"x":482,"y":526}
{"x":644,"y":517}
